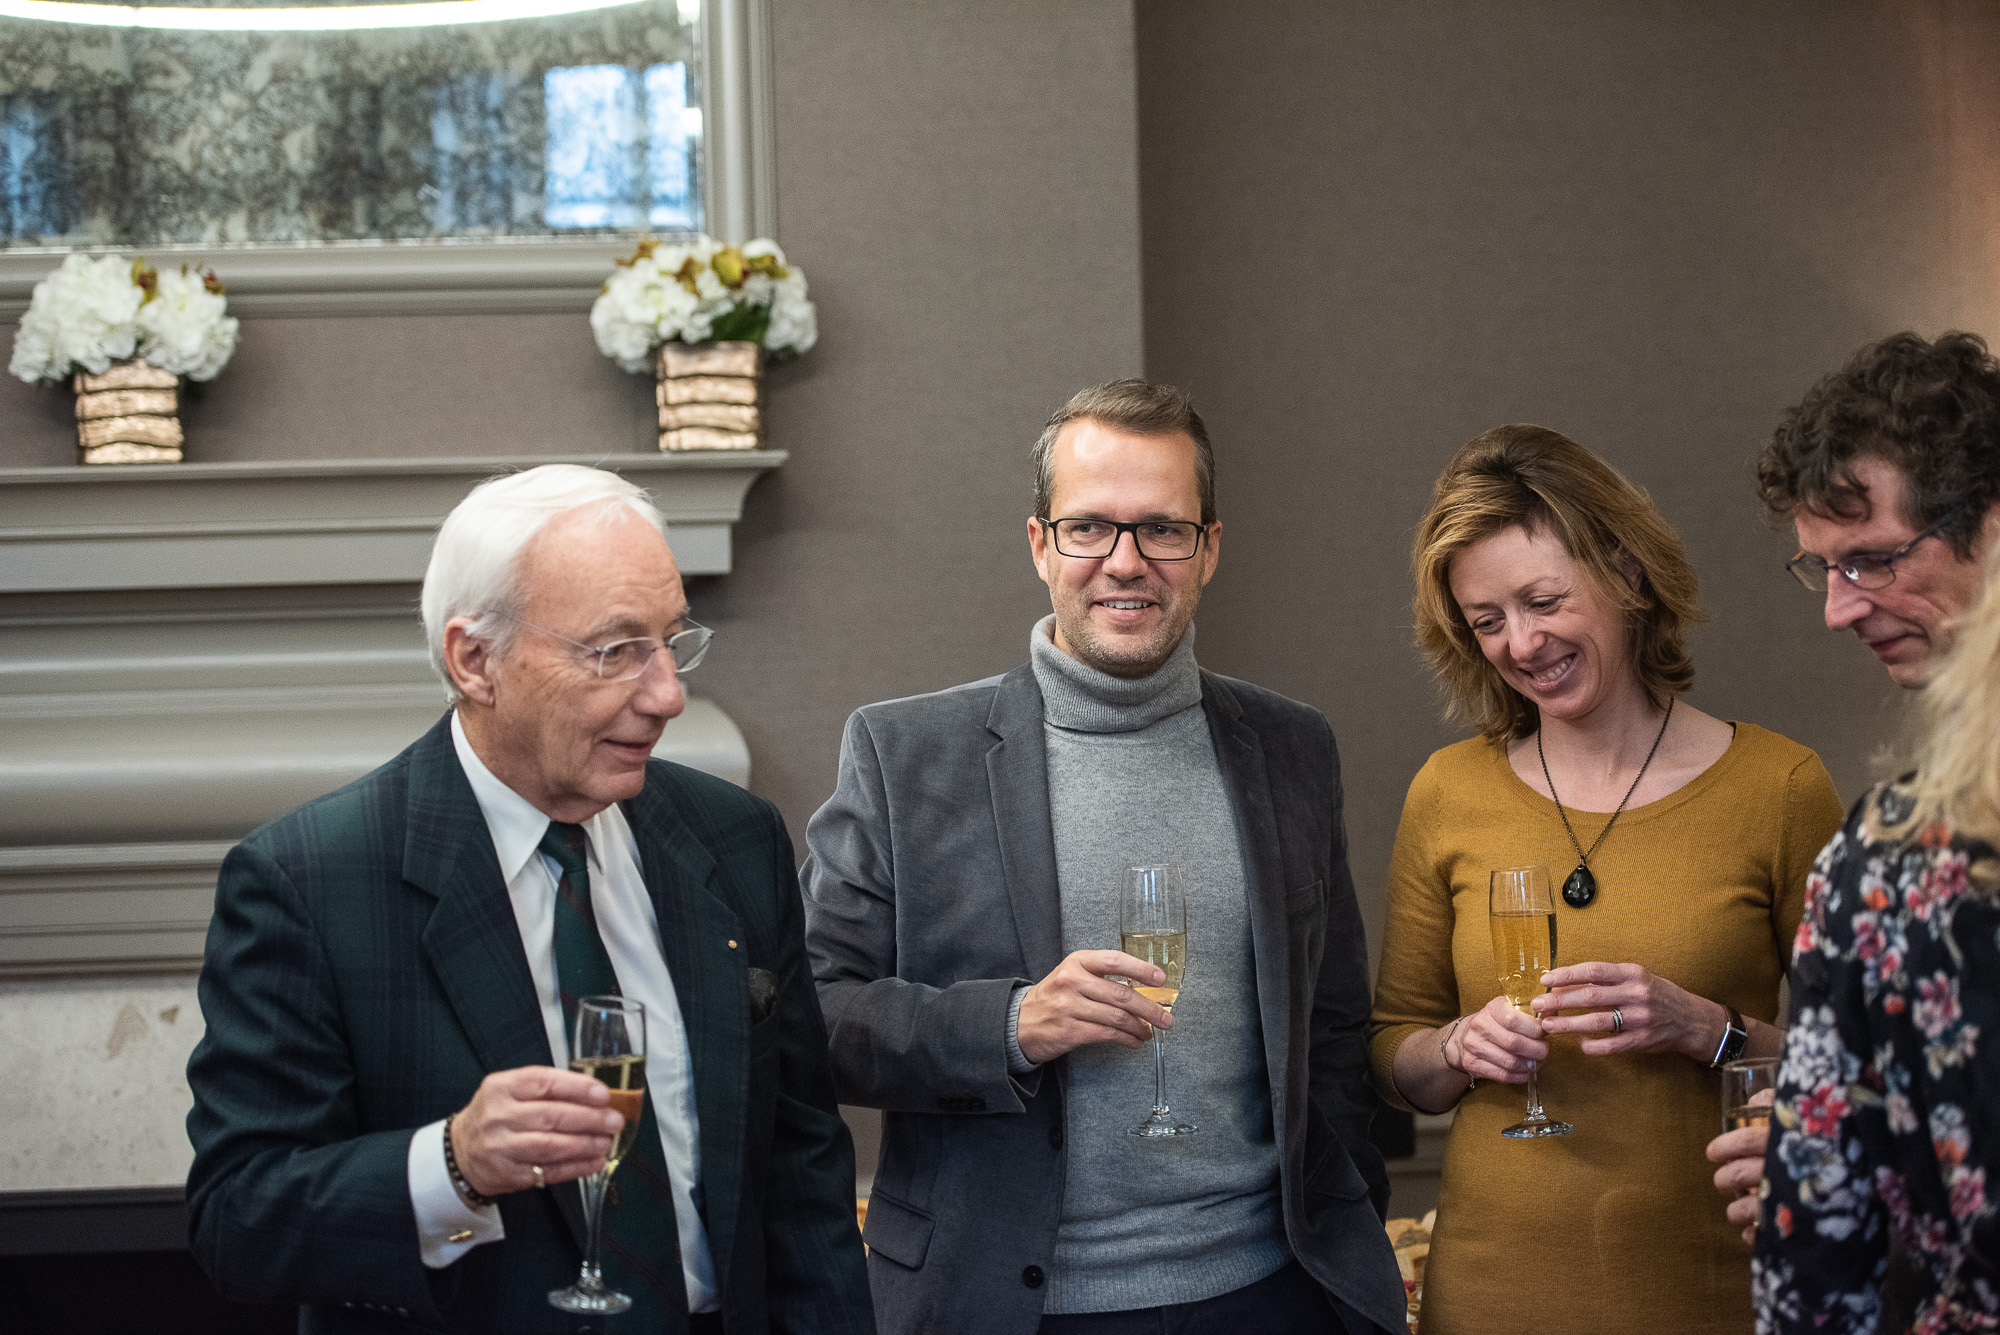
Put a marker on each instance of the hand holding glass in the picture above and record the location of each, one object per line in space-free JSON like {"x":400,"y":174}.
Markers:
{"x":610,"y":1045}
{"x":1748,"y":1088}
{"x":1522,"y":912}
{"x":1152,"y":926}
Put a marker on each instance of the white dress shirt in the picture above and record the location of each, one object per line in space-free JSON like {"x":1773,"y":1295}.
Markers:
{"x":446,"y":1226}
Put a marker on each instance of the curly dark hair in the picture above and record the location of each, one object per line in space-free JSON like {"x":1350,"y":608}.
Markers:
{"x":1931,"y":409}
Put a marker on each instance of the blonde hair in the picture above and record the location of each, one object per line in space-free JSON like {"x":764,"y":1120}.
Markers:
{"x":1538,"y":480}
{"x":1958,"y":757}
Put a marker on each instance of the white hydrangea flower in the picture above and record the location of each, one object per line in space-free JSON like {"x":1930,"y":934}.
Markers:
{"x":794,"y":319}
{"x":185,"y":328}
{"x":81,"y":315}
{"x":646,"y":302}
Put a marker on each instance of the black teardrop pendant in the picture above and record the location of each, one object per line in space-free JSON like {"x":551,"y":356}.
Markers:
{"x":1580,"y":888}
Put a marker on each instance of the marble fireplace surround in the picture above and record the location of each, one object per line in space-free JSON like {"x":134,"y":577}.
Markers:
{"x":186,"y":651}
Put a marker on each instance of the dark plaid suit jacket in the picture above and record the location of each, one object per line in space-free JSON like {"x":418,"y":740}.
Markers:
{"x":364,"y":973}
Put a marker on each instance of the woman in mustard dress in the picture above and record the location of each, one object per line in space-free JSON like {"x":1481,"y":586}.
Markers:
{"x":1552,"y":599}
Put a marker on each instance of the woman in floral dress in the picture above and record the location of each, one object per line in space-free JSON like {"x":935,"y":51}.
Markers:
{"x":1886,"y":1134}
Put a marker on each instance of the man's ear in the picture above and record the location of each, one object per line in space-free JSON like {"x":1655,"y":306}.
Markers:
{"x":469,"y":661}
{"x":1038,"y":546}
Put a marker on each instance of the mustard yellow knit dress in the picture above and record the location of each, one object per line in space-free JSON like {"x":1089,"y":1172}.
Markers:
{"x":1617,"y":1227}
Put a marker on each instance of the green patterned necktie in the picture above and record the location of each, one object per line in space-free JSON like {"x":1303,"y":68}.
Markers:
{"x":642,"y":1253}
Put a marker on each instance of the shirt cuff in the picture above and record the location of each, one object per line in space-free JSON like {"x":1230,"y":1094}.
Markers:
{"x":1017,"y":1061}
{"x":447,"y":1227}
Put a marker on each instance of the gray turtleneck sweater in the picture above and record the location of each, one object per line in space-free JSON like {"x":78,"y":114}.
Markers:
{"x":1133,"y":780}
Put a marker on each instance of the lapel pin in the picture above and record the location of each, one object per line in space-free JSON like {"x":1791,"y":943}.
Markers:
{"x":732,"y":945}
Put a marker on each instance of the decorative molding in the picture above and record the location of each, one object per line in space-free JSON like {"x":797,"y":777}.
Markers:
{"x":238,"y":758}
{"x":108,"y":908}
{"x":739,"y":144}
{"x":317,"y":522}
{"x":526,"y":275}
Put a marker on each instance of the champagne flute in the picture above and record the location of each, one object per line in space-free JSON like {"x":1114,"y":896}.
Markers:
{"x":1152,"y":925}
{"x":610,"y":1045}
{"x":1523,"y":917}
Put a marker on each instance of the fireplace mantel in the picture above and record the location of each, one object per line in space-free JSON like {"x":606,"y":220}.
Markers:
{"x":294,"y":522}
{"x":189,"y":650}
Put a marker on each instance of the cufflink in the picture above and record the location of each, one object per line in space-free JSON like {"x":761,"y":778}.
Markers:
{"x":463,"y":1235}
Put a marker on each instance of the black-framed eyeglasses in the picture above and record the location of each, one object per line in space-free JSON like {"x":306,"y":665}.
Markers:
{"x":622,"y":660}
{"x":1156,"y":539}
{"x":1864,"y":570}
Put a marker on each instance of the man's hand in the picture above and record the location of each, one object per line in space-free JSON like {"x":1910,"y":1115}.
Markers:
{"x":528,"y":1116}
{"x":1079,"y":1003}
{"x":1741,"y":1177}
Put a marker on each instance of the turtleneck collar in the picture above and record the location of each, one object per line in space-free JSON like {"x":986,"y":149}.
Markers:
{"x":1079,"y":697}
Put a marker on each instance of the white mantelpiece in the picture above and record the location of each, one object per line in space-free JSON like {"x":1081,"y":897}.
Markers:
{"x":359,"y":521}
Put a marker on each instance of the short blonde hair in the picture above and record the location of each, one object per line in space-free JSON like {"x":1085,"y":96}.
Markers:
{"x":1541,"y":481}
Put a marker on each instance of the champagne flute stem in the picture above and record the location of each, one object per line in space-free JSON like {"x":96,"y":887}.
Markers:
{"x":1159,"y":1072}
{"x":593,"y":1217}
{"x":1535,"y":1113}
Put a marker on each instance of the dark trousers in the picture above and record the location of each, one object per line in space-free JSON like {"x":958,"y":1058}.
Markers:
{"x":1289,"y":1301}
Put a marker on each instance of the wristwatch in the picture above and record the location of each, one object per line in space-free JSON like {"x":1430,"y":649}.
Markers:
{"x":1735,"y":1034}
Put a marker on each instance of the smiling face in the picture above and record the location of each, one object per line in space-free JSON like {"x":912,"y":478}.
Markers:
{"x":1905,"y":623}
{"x":1122,"y":614}
{"x":538,"y":714}
{"x":1543,"y":623}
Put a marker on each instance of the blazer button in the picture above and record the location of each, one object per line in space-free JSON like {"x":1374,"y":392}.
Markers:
{"x":1032,"y":1277}
{"x":1055,"y":1137}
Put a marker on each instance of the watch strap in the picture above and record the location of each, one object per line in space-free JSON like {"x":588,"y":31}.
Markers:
{"x":1735,"y":1037}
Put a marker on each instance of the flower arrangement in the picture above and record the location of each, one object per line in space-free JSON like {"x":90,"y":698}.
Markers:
{"x":701,"y":291}
{"x":94,"y":311}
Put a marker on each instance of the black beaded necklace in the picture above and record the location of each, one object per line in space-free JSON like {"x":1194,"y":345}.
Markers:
{"x":1581,"y":887}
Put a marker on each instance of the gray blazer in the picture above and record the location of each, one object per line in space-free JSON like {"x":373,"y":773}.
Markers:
{"x":931,"y":890}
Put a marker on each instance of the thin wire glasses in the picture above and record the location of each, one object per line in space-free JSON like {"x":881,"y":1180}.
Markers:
{"x":1156,"y":539}
{"x":622,"y":660}
{"x":1864,"y":570}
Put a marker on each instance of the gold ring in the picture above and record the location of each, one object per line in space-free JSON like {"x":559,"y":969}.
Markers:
{"x":536,"y":1169}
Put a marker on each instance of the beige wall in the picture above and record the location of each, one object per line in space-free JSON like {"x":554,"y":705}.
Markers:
{"x":1375,"y":229}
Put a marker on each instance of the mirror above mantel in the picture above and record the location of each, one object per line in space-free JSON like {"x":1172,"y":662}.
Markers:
{"x":189,"y":650}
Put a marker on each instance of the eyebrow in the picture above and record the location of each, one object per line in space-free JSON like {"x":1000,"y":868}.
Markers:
{"x":621,"y":626}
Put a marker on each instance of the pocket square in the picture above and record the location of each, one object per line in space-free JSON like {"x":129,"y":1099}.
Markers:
{"x":763,"y":995}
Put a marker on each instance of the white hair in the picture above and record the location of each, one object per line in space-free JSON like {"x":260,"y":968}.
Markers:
{"x":475,"y":564}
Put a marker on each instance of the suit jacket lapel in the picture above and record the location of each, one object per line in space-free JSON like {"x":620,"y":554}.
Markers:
{"x":1017,"y":771}
{"x":1240,"y":754}
{"x":712,"y":984}
{"x":472,"y":938}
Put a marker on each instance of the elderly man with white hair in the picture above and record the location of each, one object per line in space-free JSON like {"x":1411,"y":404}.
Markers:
{"x":385,"y":1130}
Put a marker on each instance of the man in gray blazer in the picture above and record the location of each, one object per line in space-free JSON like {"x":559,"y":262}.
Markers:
{"x":962,"y":917}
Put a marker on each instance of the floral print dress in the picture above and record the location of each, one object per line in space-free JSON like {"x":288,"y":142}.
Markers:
{"x":1888,"y":1111}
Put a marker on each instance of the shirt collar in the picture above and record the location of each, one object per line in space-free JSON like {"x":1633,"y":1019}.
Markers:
{"x":516,"y":824}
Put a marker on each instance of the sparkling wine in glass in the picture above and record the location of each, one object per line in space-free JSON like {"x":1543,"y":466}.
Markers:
{"x":1748,"y":1087}
{"x":610,"y":1045}
{"x":1523,"y":916}
{"x":1152,"y":925}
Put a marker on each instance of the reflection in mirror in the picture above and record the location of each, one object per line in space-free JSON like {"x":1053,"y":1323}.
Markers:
{"x":577,"y":124}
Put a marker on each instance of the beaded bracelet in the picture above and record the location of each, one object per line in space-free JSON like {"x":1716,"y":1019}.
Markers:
{"x":473,"y":1197}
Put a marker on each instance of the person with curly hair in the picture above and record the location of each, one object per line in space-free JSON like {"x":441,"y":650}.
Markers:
{"x":1885,"y":1139}
{"x":1553,"y":600}
{"x":1889,"y":471}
